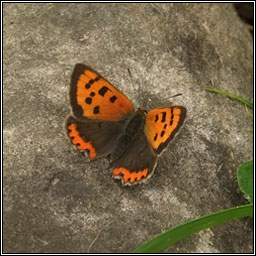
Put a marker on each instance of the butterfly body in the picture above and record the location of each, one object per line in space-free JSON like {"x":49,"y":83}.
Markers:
{"x":104,"y":123}
{"x":134,"y":127}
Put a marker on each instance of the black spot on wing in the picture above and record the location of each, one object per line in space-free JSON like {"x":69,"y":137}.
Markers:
{"x":88,"y":100}
{"x":113,"y":99}
{"x":96,"y":110}
{"x":103,"y":90}
{"x":163,"y":117}
{"x":89,"y":84}
{"x":172,"y":116}
{"x":172,"y":112}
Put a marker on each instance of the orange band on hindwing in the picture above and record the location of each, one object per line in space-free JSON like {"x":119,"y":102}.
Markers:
{"x":130,"y":176}
{"x":79,"y":142}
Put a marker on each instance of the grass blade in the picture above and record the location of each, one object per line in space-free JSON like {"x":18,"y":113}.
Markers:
{"x":234,"y":96}
{"x":180,"y":232}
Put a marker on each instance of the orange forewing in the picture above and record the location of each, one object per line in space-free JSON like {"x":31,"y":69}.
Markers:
{"x":162,"y":124}
{"x":93,"y":97}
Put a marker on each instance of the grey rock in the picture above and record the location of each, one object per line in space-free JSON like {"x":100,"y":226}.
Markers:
{"x":54,"y":199}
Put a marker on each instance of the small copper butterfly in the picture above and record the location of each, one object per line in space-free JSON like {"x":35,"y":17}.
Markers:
{"x":104,"y":123}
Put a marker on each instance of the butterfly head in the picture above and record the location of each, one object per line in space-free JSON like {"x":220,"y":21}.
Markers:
{"x":142,"y":111}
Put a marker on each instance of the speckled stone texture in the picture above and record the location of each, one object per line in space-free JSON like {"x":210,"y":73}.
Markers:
{"x":54,"y":199}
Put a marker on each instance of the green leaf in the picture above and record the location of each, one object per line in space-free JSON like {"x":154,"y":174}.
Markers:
{"x":180,"y":232}
{"x":245,"y":179}
{"x":234,"y":96}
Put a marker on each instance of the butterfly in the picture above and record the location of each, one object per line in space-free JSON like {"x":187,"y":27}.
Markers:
{"x":104,"y":123}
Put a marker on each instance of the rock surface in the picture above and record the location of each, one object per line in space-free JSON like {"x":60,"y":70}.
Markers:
{"x":55,"y":200}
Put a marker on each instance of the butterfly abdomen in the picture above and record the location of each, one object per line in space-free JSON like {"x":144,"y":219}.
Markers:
{"x":134,"y":127}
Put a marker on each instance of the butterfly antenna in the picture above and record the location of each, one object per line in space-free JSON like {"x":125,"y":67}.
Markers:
{"x":135,"y":88}
{"x":130,"y":74}
{"x":178,"y":94}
